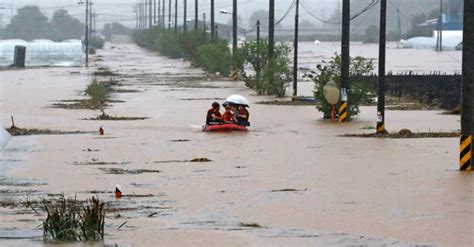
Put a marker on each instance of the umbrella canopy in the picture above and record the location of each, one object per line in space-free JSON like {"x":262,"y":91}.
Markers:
{"x":238,"y":100}
{"x":4,"y":138}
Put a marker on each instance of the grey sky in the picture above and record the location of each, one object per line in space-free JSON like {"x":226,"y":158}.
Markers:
{"x":122,"y":10}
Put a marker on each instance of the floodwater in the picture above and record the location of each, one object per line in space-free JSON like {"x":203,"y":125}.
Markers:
{"x":292,"y":173}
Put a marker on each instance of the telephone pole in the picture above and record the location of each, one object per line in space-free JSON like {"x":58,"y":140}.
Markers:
{"x":212,"y":20}
{"x":258,"y":31}
{"x":196,"y":15}
{"x":87,"y":34}
{"x":399,"y":25}
{"x":467,"y":96}
{"x":176,"y":15}
{"x":136,"y":16}
{"x":440,"y":26}
{"x":185,"y":21}
{"x":169,"y":14}
{"x":234,"y":40}
{"x":154,"y":12}
{"x":381,"y":82}
{"x":163,"y":15}
{"x":345,"y":60}
{"x":90,"y":19}
{"x":145,"y":14}
{"x":150,"y":14}
{"x":295,"y":52}
{"x":158,"y":17}
{"x":271,"y":29}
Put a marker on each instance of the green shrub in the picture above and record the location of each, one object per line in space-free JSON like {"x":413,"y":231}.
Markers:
{"x":359,"y":92}
{"x":189,"y":43}
{"x":167,"y":44}
{"x":96,"y":91}
{"x":215,"y":57}
{"x":96,"y":42}
{"x":266,"y":77}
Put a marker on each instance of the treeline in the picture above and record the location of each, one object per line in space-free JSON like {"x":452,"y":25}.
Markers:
{"x":264,"y":74}
{"x":214,"y":57}
{"x":30,"y":23}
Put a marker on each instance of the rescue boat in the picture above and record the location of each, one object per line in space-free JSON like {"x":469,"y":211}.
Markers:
{"x":224,"y":127}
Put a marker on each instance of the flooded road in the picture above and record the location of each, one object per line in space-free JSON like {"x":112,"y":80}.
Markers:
{"x":290,"y":181}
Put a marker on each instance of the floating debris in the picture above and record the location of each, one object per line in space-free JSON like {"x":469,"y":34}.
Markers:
{"x":126,"y":171}
{"x":406,"y":134}
{"x":15,"y":131}
{"x":251,"y":225}
{"x":289,"y":190}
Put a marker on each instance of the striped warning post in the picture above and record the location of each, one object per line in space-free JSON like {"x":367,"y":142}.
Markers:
{"x":380,"y":127}
{"x":465,"y":153}
{"x":343,"y":112}
{"x":233,"y":74}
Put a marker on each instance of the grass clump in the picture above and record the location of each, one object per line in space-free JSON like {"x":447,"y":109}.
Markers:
{"x":97,"y":92}
{"x":72,"y":220}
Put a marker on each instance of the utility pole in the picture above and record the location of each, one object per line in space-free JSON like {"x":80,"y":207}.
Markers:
{"x":158,"y":18}
{"x":87,"y":34}
{"x":145,"y":13}
{"x":196,"y":15}
{"x":150,"y":14}
{"x":176,"y":15}
{"x":90,"y":19}
{"x":467,"y":96}
{"x":163,"y":15}
{"x":154,"y":12}
{"x":271,"y":29}
{"x":212,"y":20}
{"x":169,"y":14}
{"x":399,"y":25}
{"x":295,"y":52}
{"x":345,"y":60}
{"x":185,"y":21}
{"x":204,"y":24}
{"x":234,"y":40}
{"x":381,"y":81}
{"x":136,"y":15}
{"x":95,"y":22}
{"x":258,"y":31}
{"x":440,"y":26}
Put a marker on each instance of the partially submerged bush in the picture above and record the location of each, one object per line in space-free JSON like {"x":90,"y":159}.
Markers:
{"x":193,"y":46}
{"x":71,"y":220}
{"x":267,"y":76}
{"x":97,"y":92}
{"x":96,"y":42}
{"x":215,"y":57}
{"x":359,"y":92}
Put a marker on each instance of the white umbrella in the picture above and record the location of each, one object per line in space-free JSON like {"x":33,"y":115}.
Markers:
{"x":237,"y":99}
{"x":4,"y":138}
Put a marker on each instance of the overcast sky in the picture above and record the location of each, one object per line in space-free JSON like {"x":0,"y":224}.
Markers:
{"x":122,"y":10}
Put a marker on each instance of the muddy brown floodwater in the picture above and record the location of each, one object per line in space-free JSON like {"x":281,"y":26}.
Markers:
{"x":292,"y":180}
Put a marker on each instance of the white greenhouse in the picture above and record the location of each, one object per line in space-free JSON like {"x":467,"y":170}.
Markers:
{"x":43,"y":52}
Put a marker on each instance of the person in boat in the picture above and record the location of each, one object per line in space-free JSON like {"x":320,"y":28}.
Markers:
{"x":229,"y":116}
{"x":213,"y":115}
{"x":242,"y":116}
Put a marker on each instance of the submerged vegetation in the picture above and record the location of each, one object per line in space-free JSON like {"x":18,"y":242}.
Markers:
{"x":359,"y":92}
{"x":266,"y":76}
{"x":214,"y":57}
{"x":72,"y":220}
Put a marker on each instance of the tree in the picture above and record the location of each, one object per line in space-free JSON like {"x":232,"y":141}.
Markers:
{"x":307,"y":25}
{"x":115,"y":28}
{"x":28,"y":24}
{"x":262,"y":16}
{"x":65,"y":27}
{"x":371,"y":34}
